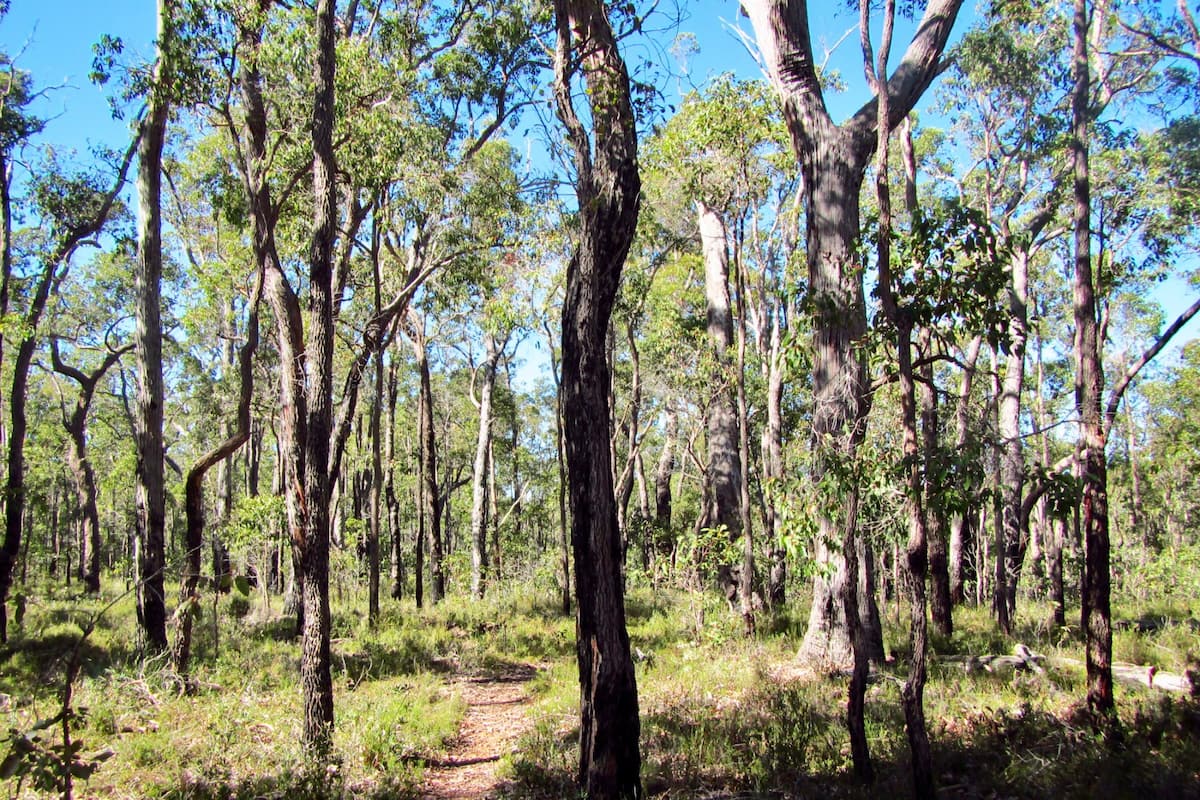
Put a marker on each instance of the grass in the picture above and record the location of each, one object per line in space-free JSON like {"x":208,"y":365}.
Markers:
{"x":719,"y":715}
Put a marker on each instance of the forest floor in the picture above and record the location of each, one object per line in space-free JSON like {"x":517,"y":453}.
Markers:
{"x":479,"y":700}
{"x":498,"y":706}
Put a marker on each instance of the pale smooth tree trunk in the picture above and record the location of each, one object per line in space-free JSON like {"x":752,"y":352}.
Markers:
{"x":1012,"y":459}
{"x":479,"y":473}
{"x":150,"y":489}
{"x":724,"y":459}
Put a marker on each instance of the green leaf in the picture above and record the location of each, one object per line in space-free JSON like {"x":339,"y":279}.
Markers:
{"x":242,"y":583}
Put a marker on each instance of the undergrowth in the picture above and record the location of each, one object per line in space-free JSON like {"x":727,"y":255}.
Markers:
{"x":721,"y":715}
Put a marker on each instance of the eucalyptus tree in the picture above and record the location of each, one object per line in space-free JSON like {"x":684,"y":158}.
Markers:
{"x":1002,"y":90}
{"x":608,"y":189}
{"x":88,"y":330}
{"x":69,"y":210}
{"x":719,"y":153}
{"x":832,"y":159}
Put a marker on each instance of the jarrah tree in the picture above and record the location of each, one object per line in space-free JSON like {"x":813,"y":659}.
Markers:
{"x":833,"y":159}
{"x":608,"y":187}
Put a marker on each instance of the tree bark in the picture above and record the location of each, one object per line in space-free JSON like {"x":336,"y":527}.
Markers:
{"x":832,"y":159}
{"x":315,"y":679}
{"x":608,"y":189}
{"x":724,"y":461}
{"x":150,"y":492}
{"x":1012,"y":459}
{"x":428,"y":449}
{"x":1089,"y":383}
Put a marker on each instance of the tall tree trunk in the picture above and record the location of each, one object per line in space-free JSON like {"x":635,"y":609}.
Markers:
{"x":608,"y":189}
{"x":1012,"y":459}
{"x":833,"y":159}
{"x":479,"y":473}
{"x":393,"y":502}
{"x":746,"y":579}
{"x":724,"y":461}
{"x":1089,"y":383}
{"x":935,"y":518}
{"x":773,"y":467}
{"x":560,"y":447}
{"x":285,"y":305}
{"x":375,"y":497}
{"x":315,"y":680}
{"x":150,"y":557}
{"x":663,"y":537}
{"x":428,"y":449}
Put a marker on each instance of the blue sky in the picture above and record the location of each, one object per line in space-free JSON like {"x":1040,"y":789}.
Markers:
{"x":53,"y":39}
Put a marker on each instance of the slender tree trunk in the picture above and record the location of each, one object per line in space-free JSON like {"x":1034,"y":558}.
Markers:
{"x":393,"y":502}
{"x":608,"y":189}
{"x":150,"y":494}
{"x":1089,"y":383}
{"x":564,"y":533}
{"x":479,"y":482}
{"x":961,"y":524}
{"x":81,"y":466}
{"x":315,"y":679}
{"x":773,"y":467}
{"x":663,"y":537}
{"x":431,"y":499}
{"x":1012,"y":459}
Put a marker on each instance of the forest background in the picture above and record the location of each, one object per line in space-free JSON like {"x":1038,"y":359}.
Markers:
{"x":408,"y":334}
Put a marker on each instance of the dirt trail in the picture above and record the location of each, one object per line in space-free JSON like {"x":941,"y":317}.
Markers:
{"x":497,"y":714}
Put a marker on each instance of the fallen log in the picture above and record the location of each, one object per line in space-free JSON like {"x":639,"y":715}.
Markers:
{"x":1140,"y":675}
{"x":1025,"y":659}
{"x":1022,"y":658}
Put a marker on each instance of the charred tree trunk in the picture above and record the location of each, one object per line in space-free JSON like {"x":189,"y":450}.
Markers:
{"x":315,"y":679}
{"x":1089,"y":384}
{"x":608,"y":189}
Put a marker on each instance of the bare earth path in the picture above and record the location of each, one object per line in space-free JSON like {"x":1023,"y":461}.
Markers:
{"x":497,"y":714}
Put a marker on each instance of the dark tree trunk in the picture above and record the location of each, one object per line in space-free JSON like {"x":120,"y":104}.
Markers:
{"x":14,"y":489}
{"x":961,"y":526}
{"x":315,"y":679}
{"x":393,"y":502}
{"x":1089,"y":383}
{"x":431,"y":502}
{"x":608,"y":189}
